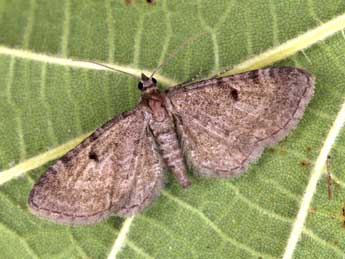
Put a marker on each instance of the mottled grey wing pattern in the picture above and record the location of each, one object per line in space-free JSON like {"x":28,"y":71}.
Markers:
{"x":116,"y":170}
{"x":225,"y":123}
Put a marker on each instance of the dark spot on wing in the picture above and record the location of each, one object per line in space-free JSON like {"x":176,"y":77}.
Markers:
{"x":254,"y":76}
{"x":234,"y":94}
{"x":93,"y":156}
{"x":219,"y":81}
{"x":65,"y":158}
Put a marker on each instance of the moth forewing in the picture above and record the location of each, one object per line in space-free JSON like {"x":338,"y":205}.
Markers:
{"x":116,"y":170}
{"x":225,"y":123}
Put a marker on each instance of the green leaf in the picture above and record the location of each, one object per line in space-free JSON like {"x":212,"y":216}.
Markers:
{"x":50,"y":101}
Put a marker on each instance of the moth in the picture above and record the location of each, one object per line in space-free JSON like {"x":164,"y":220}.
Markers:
{"x":215,"y":127}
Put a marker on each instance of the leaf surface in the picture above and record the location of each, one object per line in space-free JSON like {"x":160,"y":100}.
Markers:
{"x":49,"y":102}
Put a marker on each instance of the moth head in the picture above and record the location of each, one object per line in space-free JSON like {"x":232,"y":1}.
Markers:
{"x":146,"y":83}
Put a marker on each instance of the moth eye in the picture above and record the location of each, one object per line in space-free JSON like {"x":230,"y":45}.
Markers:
{"x":140,"y":85}
{"x":93,"y":156}
{"x":234,"y":94}
{"x":154,"y":80}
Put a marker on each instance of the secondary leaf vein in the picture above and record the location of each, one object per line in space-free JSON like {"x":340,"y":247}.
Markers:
{"x":291,"y":47}
{"x":215,"y":227}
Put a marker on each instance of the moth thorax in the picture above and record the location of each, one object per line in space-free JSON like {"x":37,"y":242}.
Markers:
{"x":147,"y":83}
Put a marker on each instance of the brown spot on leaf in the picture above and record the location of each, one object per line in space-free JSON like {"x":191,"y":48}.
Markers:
{"x":272,"y":150}
{"x":282,"y":152}
{"x":311,"y":210}
{"x":305,"y":164}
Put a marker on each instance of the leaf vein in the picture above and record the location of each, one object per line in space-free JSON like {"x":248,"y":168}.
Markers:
{"x":43,"y":81}
{"x":138,"y":250}
{"x":168,"y":34}
{"x":76,"y":244}
{"x":257,"y":207}
{"x":316,"y":173}
{"x":249,"y":40}
{"x":224,"y":16}
{"x":213,"y":37}
{"x":323,"y":242}
{"x":338,"y":181}
{"x":29,"y":24}
{"x":137,"y":40}
{"x":24,"y":54}
{"x":174,"y":236}
{"x":39,"y":160}
{"x":121,"y":238}
{"x":275,"y":28}
{"x":283,"y":190}
{"x":312,"y":12}
{"x":110,"y":31}
{"x":25,"y":244}
{"x":66,"y":28}
{"x":214,"y":227}
{"x":291,"y":46}
{"x":9,"y":84}
{"x":74,"y":103}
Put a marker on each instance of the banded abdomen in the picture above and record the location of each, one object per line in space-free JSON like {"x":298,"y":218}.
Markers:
{"x":164,"y":131}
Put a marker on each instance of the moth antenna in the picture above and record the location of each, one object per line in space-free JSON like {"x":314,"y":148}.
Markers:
{"x":176,"y":51}
{"x":114,"y":69}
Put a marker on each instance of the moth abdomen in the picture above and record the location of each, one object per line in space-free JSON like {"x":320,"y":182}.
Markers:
{"x":165,"y":135}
